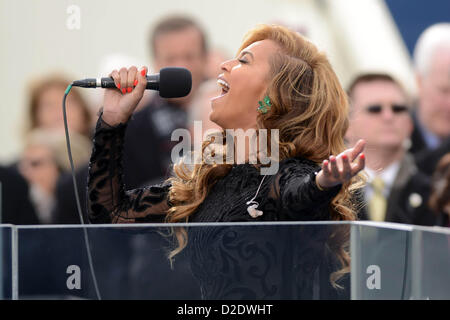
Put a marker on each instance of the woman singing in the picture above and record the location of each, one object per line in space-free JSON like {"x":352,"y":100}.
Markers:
{"x":279,"y":80}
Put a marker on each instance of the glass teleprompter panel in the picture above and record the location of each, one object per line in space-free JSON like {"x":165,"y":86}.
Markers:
{"x":220,"y":261}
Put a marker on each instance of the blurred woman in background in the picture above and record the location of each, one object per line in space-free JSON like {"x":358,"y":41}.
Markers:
{"x":44,"y":157}
{"x":43,"y":160}
{"x":45,"y":111}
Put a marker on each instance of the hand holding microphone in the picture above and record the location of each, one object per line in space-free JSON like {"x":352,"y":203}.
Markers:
{"x":125,"y":89}
{"x":119,"y":103}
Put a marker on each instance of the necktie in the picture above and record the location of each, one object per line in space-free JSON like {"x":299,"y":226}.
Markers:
{"x":377,"y":203}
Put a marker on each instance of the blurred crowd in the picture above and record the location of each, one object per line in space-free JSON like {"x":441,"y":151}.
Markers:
{"x":407,"y":151}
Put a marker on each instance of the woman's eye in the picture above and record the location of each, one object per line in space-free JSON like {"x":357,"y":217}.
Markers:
{"x":242,"y":61}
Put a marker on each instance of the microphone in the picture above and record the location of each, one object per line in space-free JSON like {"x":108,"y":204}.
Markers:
{"x":171,"y":82}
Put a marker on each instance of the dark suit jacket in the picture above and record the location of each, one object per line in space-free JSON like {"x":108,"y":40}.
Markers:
{"x":443,"y":220}
{"x":16,"y":207}
{"x":427,"y":160}
{"x":418,"y":143}
{"x":148,"y":144}
{"x":409,"y":185}
{"x":66,"y":211}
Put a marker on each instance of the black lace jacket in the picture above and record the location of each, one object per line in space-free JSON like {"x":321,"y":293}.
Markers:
{"x":289,"y":195}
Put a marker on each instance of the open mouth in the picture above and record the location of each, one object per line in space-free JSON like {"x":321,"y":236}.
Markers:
{"x":224,"y":85}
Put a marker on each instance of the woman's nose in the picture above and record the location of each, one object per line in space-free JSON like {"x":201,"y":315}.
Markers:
{"x":226,"y":65}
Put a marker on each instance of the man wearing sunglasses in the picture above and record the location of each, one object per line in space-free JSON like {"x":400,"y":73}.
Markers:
{"x":380,"y":114}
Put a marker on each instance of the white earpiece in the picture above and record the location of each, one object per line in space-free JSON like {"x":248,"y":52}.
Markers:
{"x":253,"y":205}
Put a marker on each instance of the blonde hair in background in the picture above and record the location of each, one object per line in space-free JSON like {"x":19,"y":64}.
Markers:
{"x":55,"y":141}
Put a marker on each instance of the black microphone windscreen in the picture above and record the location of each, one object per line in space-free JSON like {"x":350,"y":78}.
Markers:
{"x":174,"y":82}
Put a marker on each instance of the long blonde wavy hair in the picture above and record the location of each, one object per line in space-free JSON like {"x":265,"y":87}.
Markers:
{"x":310,"y":110}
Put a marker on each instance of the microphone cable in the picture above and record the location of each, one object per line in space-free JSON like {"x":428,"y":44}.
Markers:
{"x":77,"y":197}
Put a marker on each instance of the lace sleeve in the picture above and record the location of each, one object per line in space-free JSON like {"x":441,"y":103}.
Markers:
{"x":108,"y":201}
{"x":295,"y":190}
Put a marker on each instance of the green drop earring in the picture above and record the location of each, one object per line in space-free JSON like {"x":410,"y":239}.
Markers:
{"x":264,"y":105}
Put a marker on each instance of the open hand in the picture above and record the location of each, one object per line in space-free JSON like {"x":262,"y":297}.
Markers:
{"x":340,"y":169}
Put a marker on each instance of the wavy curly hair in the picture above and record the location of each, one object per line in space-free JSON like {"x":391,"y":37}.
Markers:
{"x":310,"y":110}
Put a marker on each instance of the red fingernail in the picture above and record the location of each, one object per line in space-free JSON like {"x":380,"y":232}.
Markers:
{"x":325,"y":162}
{"x":135,"y":83}
{"x":362,"y":156}
{"x":123,"y":90}
{"x":333,"y":159}
{"x":143,"y":72}
{"x":118,"y":85}
{"x":344,"y":157}
{"x":129,"y":89}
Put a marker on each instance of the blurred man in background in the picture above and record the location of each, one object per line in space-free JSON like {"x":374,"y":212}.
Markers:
{"x":379,"y":114}
{"x":176,"y":41}
{"x":430,"y":138}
